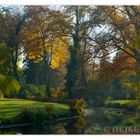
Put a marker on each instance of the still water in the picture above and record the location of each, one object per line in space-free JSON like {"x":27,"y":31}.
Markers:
{"x":96,"y":121}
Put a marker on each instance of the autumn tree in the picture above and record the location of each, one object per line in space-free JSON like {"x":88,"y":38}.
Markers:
{"x":124,"y":26}
{"x":11,"y":25}
{"x":84,"y":20}
{"x":5,"y":59}
{"x":124,"y":23}
{"x":43,"y":40}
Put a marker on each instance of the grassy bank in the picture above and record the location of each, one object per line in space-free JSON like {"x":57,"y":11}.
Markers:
{"x":133,"y":105}
{"x":11,"y":108}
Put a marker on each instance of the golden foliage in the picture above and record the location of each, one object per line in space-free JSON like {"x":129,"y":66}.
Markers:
{"x":43,"y":39}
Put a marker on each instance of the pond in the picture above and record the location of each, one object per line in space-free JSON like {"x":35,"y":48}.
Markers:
{"x":95,"y":121}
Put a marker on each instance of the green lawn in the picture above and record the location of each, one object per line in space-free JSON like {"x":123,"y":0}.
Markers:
{"x":126,"y":104}
{"x":121,"y":102}
{"x":10,"y":108}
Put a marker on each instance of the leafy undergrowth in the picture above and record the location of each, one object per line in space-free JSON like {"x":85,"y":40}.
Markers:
{"x":10,"y":109}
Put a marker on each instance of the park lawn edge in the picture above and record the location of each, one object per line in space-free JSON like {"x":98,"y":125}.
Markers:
{"x":10,"y":108}
{"x":133,"y":105}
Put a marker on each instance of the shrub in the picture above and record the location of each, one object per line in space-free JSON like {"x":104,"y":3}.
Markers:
{"x":41,"y":94}
{"x":13,"y":87}
{"x":25,"y":115}
{"x":59,"y":93}
{"x":108,"y":99}
{"x":133,"y":106}
{"x":9,"y":86}
{"x":49,"y":109}
{"x":36,"y":116}
{"x":33,"y":92}
{"x":137,"y":118}
{"x":98,"y":91}
{"x":31,"y":89}
{"x":38,"y":92}
{"x":1,"y":95}
{"x":54,"y":92}
{"x":129,"y":122}
{"x":80,"y":122}
{"x":78,"y":105}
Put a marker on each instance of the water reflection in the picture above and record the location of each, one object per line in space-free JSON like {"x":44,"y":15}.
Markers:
{"x":100,"y":121}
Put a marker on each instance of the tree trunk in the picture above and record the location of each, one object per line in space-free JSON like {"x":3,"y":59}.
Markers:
{"x":15,"y":71}
{"x":47,"y":76}
{"x":73,"y":66}
{"x":48,"y":91}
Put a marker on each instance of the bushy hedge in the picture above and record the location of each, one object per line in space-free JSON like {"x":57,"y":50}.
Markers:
{"x":35,"y":116}
{"x":77,"y":106}
{"x":1,"y":95}
{"x":32,"y":92}
{"x":129,"y":122}
{"x":58,"y":93}
{"x":9,"y":87}
{"x":38,"y":116}
{"x":38,"y":92}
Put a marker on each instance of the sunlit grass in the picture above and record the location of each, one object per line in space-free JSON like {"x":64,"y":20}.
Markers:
{"x":9,"y":108}
{"x":123,"y":101}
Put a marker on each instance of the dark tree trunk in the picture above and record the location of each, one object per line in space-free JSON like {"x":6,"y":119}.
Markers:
{"x":15,"y":71}
{"x":73,"y":66}
{"x":48,"y":91}
{"x":15,"y":66}
{"x":47,"y":76}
